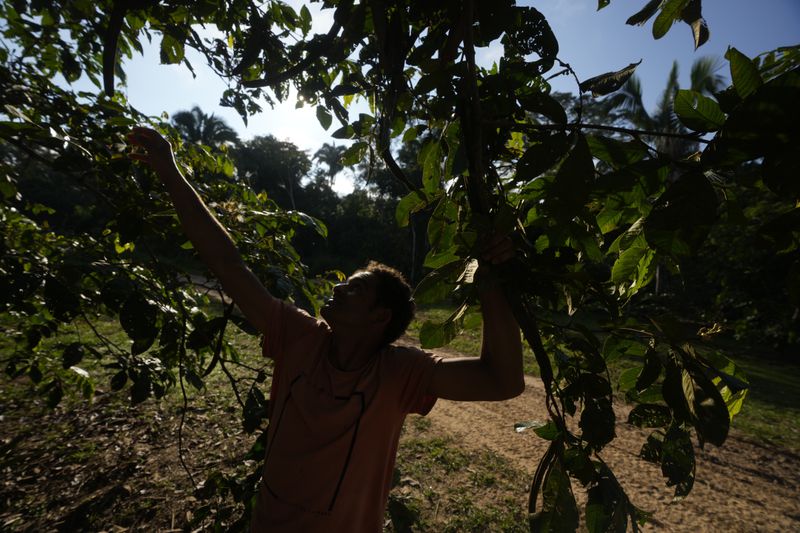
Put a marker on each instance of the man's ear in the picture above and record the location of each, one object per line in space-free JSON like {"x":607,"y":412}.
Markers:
{"x":383,"y":315}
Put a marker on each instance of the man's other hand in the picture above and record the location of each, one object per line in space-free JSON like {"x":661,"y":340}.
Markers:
{"x":157,"y":150}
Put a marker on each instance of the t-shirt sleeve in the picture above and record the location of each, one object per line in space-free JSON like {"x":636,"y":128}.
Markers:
{"x":416,"y":371}
{"x":287,"y":324}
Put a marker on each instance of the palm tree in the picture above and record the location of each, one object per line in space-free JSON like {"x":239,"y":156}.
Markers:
{"x":331,"y":156}
{"x":704,"y":78}
{"x":197,"y":127}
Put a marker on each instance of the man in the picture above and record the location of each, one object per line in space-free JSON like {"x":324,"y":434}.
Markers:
{"x":340,"y":389}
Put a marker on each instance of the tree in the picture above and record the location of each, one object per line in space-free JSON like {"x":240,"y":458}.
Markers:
{"x":273,"y":166}
{"x":588,"y":235}
{"x":197,"y":127}
{"x":330,"y":155}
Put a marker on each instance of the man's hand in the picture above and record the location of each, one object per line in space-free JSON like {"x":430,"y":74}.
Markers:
{"x":157,"y":150}
{"x":497,"y":250}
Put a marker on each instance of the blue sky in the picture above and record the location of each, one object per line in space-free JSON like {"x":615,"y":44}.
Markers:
{"x":591,"y":41}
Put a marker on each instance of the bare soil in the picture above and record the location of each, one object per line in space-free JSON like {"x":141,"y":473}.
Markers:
{"x":744,"y":486}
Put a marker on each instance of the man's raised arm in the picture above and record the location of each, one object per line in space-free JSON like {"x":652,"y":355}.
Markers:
{"x":497,"y":374}
{"x":207,"y":235}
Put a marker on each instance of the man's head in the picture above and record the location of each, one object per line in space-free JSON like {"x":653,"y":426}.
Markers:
{"x":375,"y":296}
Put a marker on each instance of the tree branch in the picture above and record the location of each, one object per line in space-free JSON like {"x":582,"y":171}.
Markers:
{"x":394,"y":168}
{"x":578,"y":125}
{"x":470,"y":115}
{"x":181,"y":354}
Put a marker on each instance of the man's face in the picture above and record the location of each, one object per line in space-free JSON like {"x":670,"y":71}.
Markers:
{"x":354,"y":302}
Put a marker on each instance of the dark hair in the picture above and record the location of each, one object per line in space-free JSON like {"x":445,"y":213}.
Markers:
{"x":393,"y":292}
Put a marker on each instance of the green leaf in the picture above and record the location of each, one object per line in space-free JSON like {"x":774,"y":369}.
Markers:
{"x":195,"y":380}
{"x":141,"y":389}
{"x":627,"y":379}
{"x":323,"y":116}
{"x":344,"y":89}
{"x":60,"y":301}
{"x":548,"y":431}
{"x":712,"y":418}
{"x":744,"y":73}
{"x":670,"y":12}
{"x":355,"y":154}
{"x":678,"y":462}
{"x":430,"y":160}
{"x":35,"y":371}
{"x":255,"y":410}
{"x":442,"y":225}
{"x":83,"y":381}
{"x":698,"y":112}
{"x":729,"y":380}
{"x":435,"y":335}
{"x":543,"y":104}
{"x":650,"y":371}
{"x":171,"y":49}
{"x":570,"y":188}
{"x":410,"y":134}
{"x":597,"y":422}
{"x":529,"y":33}
{"x":597,"y":520}
{"x":305,"y":19}
{"x":118,"y":380}
{"x":609,"y":82}
{"x":682,"y":215}
{"x":411,"y":203}
{"x":675,"y":394}
{"x":628,"y":262}
{"x":650,"y":416}
{"x":55,"y":392}
{"x":645,"y":14}
{"x":616,"y":153}
{"x":138,"y":318}
{"x":615,"y":347}
{"x":440,"y":258}
{"x":519,"y":427}
{"x":607,"y":506}
{"x":594,"y":385}
{"x":547,"y":149}
{"x":692,"y":15}
{"x":73,"y":354}
{"x":559,"y":511}
{"x":345,"y":132}
{"x":652,"y":448}
{"x":438,"y":284}
{"x":602,"y":3}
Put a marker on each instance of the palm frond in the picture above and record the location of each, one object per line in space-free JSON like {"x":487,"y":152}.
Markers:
{"x":705,"y":75}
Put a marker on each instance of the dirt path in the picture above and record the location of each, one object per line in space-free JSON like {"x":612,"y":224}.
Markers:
{"x":741,"y":487}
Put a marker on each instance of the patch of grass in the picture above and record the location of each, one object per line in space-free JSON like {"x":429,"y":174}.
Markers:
{"x":420,"y":423}
{"x":771,"y":411}
{"x":440,"y":487}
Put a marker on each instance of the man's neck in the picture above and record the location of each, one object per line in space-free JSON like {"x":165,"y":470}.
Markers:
{"x":349,"y":351}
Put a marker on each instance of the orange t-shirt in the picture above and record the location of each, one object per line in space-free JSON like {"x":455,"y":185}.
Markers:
{"x":333,"y":434}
